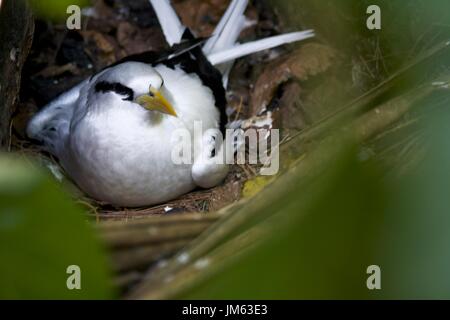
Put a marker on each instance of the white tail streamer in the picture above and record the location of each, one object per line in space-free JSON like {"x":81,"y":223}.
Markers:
{"x":168,"y":19}
{"x":258,"y":45}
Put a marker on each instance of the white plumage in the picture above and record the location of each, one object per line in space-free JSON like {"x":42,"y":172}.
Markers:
{"x":120,"y":152}
{"x":228,"y":29}
{"x":245,"y":49}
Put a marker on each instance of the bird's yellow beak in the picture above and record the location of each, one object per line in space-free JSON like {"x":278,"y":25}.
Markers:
{"x":155,"y":101}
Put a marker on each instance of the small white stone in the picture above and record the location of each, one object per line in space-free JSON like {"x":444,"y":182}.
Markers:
{"x":167,"y":209}
{"x":56,"y":171}
{"x":183,"y":258}
{"x":13,"y":54}
{"x":201,"y":264}
{"x":441,"y":85}
{"x":162,"y":264}
{"x":153,"y":231}
{"x":168,"y":279}
{"x":89,"y":12}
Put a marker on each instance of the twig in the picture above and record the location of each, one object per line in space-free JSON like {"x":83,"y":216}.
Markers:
{"x":155,"y":220}
{"x":144,"y":256}
{"x":152,"y":234}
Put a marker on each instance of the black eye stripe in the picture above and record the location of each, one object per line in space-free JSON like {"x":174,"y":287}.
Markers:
{"x":116,"y":87}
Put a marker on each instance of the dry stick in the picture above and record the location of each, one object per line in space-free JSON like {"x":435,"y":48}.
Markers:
{"x":222,"y":257}
{"x":152,"y":234}
{"x":374,"y":121}
{"x":201,"y":270}
{"x":154,"y":229}
{"x":127,"y":279}
{"x":198,"y":247}
{"x":140,"y":243}
{"x":133,"y":258}
{"x":245,"y":211}
{"x":162,"y":220}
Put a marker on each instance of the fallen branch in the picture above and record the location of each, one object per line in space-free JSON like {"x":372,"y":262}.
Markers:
{"x":16,"y":35}
{"x":144,"y":256}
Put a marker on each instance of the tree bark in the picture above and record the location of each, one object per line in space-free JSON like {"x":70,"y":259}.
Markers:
{"x":16,"y":35}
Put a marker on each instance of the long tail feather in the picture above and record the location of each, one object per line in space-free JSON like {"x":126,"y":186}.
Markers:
{"x":256,"y":46}
{"x":230,"y":26}
{"x":168,"y":19}
{"x":227,"y":33}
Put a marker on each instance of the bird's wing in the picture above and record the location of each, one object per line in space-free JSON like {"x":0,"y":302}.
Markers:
{"x":153,"y":58}
{"x":196,"y":62}
{"x":51,"y":125}
{"x":171,"y":25}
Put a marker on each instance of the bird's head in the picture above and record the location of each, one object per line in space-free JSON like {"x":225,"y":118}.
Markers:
{"x":139,"y":83}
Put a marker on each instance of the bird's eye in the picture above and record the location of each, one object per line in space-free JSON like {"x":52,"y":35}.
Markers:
{"x":116,"y":87}
{"x":150,"y":91}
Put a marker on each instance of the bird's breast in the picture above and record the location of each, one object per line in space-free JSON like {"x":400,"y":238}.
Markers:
{"x":128,"y":160}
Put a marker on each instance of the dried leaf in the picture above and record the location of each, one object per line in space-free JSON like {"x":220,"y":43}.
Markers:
{"x":54,"y":70}
{"x":20,"y":120}
{"x":201,"y":16}
{"x":307,"y":61}
{"x":101,"y":48}
{"x":254,"y":186}
{"x":134,"y":40}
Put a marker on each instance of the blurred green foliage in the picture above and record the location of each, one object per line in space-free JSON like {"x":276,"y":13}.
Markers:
{"x":55,"y":10}
{"x":42,"y":232}
{"x":415,"y":242}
